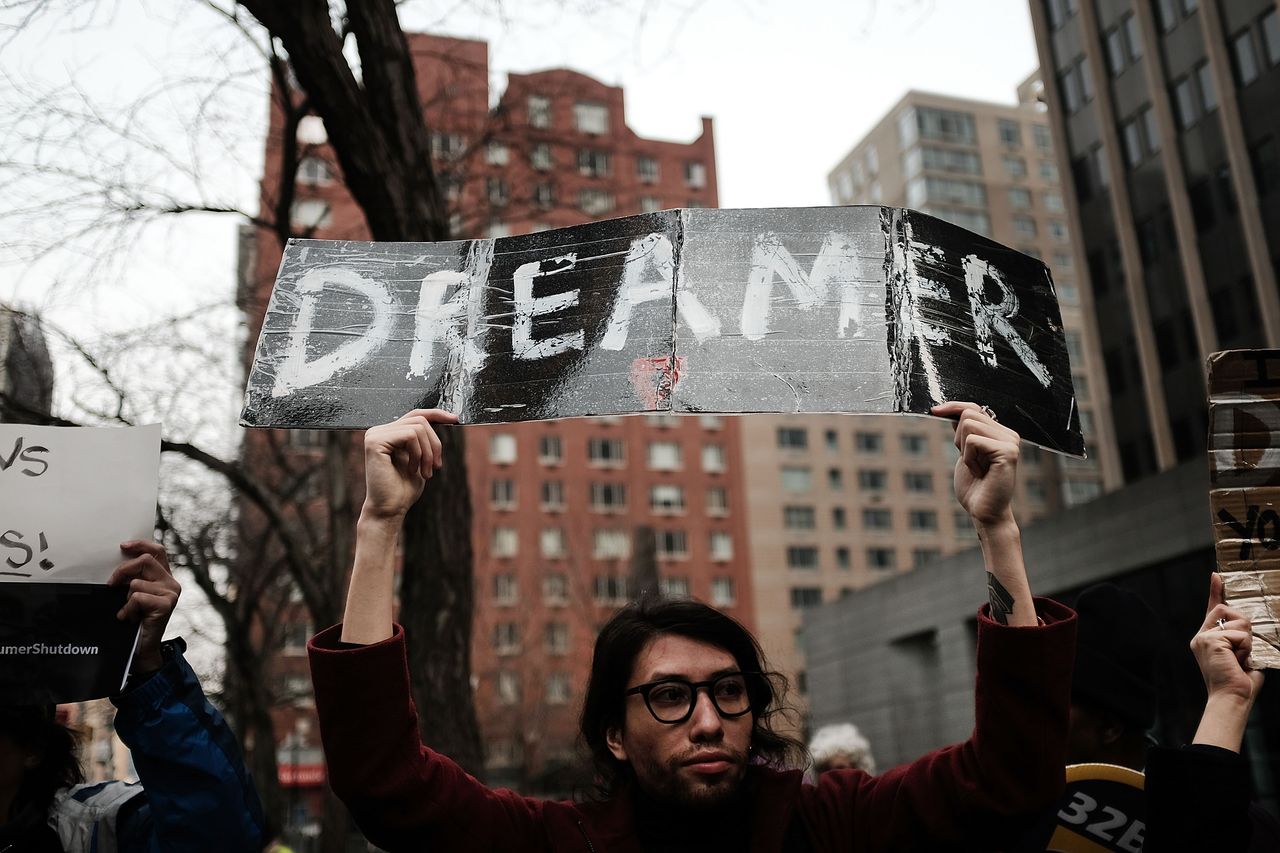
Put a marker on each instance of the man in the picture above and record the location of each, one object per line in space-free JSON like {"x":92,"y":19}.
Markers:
{"x":195,"y":793}
{"x":679,"y":705}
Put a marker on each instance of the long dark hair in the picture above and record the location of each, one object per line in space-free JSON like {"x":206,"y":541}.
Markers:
{"x":35,"y":728}
{"x":620,"y":643}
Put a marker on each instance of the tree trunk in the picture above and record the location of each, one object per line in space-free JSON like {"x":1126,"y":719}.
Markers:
{"x":436,"y":605}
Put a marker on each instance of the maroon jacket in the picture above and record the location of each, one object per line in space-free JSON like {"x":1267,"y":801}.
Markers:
{"x":404,"y":796}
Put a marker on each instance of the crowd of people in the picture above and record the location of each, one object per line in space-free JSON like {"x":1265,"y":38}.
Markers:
{"x":680,"y":718}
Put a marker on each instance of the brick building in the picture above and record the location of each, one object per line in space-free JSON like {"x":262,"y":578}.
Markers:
{"x":555,"y":503}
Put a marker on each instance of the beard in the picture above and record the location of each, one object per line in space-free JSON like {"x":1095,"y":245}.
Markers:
{"x":676,"y":785}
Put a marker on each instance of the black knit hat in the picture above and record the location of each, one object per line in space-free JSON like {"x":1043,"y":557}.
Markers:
{"x":1116,"y":654}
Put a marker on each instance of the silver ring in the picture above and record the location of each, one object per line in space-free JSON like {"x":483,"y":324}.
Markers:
{"x":990,"y":412}
{"x":1222,"y":624}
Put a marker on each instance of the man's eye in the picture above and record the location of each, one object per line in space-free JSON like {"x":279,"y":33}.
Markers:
{"x":669,"y":694}
{"x":730,"y":689}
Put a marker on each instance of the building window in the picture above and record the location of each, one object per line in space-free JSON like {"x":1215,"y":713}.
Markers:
{"x":713,"y":458}
{"x":802,"y":557}
{"x":964,"y":525}
{"x":839,"y":518}
{"x":843,"y":560}
{"x":721,"y":546}
{"x":1185,"y":103}
{"x":1270,"y":24}
{"x":872,"y":480}
{"x":555,"y":590}
{"x":608,"y":497}
{"x":539,"y":111}
{"x":799,"y":517}
{"x":595,"y":202}
{"x":1053,"y":203}
{"x":502,"y":494}
{"x":447,"y":146}
{"x":1058,"y":230}
{"x":1048,"y":172}
{"x":557,"y":688}
{"x":594,"y":164}
{"x":504,"y":541}
{"x":1010,"y":133}
{"x":881,"y":558}
{"x":649,"y":204}
{"x":314,"y":171}
{"x":544,"y":195}
{"x":551,"y":543}
{"x":675,"y":586}
{"x":1246,"y":60}
{"x":868,"y":442}
{"x":506,"y":592}
{"x":502,"y":448}
{"x":610,"y":544}
{"x":695,"y":174}
{"x":945,"y":126}
{"x":923,"y":556}
{"x":805,"y":596}
{"x":550,"y":451}
{"x":506,"y":638}
{"x":540,"y":156}
{"x":311,"y":131}
{"x":605,"y":452}
{"x":672,"y":544}
{"x":922,"y":519}
{"x":711,"y":422}
{"x":1019,"y":197}
{"x":918,"y":482}
{"x":717,"y":501}
{"x":1024,"y":226}
{"x":877,"y":519}
{"x":556,"y":635}
{"x":1014,"y":167}
{"x":796,"y":478}
{"x":508,"y":686}
{"x":310,"y":213}
{"x":835,"y":479}
{"x":1208,"y":95}
{"x":1114,"y":39}
{"x":666,"y":498}
{"x":664,"y":456}
{"x":497,"y":153}
{"x":647,"y":170}
{"x":497,"y":191}
{"x":722,"y":594}
{"x":591,"y":118}
{"x":793,"y":438}
{"x":832,"y":440}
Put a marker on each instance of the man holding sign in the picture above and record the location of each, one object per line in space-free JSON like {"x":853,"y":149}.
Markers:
{"x":681,"y":770}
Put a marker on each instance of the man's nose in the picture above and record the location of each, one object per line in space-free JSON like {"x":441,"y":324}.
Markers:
{"x":706,"y":723}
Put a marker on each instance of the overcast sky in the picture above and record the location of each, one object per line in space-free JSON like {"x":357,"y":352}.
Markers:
{"x":791,"y":86}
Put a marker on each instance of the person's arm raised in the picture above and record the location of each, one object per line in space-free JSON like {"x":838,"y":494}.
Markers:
{"x":399,"y":458}
{"x":985,"y":475}
{"x":1222,"y":648}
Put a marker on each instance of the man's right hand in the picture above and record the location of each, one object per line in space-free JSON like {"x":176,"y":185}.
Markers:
{"x":399,"y":458}
{"x":1223,"y":652}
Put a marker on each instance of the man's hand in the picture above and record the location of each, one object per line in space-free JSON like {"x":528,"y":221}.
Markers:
{"x":399,"y":458}
{"x":153,"y":594}
{"x":988,"y":465}
{"x":1222,"y":653}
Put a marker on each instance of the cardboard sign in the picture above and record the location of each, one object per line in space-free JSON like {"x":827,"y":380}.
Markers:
{"x":1244,"y":496}
{"x":68,"y":498}
{"x":1101,"y":810}
{"x":854,"y":309}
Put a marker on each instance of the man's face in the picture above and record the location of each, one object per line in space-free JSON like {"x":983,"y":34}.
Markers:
{"x":694,"y":764}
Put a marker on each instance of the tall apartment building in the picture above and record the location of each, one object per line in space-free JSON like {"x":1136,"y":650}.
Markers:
{"x":837,"y":502}
{"x":556,"y":503}
{"x":1166,"y":112}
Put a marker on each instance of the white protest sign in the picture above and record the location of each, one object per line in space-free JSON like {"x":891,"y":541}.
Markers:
{"x":70,"y":495}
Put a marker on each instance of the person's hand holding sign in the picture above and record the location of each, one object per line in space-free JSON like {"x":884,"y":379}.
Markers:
{"x":984,"y":481}
{"x":153,"y":594}
{"x":399,"y":458}
{"x":1222,"y":648}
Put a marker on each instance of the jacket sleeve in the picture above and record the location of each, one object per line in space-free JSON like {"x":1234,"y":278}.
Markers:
{"x":1197,"y":799}
{"x":980,"y":792}
{"x":402,"y":794}
{"x":199,"y":795}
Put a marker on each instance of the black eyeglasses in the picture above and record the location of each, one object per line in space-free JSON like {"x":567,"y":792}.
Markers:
{"x":671,"y":700}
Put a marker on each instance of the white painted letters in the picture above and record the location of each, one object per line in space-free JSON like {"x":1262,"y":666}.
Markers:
{"x":523,"y":345}
{"x":988,"y":317}
{"x":836,"y":264}
{"x":654,"y":252}
{"x":294,"y":370}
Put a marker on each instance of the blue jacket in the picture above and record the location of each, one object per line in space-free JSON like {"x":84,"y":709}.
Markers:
{"x":194,"y":793}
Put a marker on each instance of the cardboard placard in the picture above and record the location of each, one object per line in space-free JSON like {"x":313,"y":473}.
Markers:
{"x":851,"y":309}
{"x":68,"y":498}
{"x":1244,"y":482}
